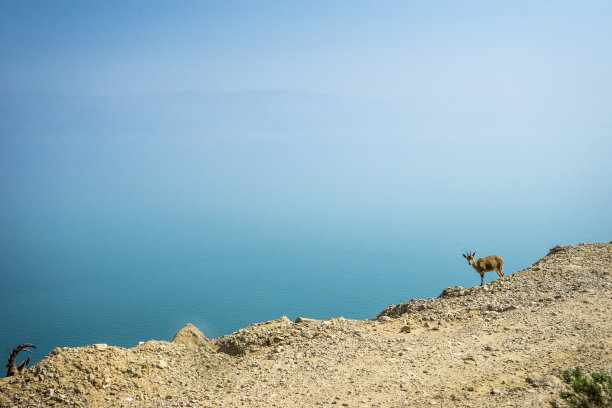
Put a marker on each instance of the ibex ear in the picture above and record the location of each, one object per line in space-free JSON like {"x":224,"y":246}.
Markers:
{"x":464,"y":256}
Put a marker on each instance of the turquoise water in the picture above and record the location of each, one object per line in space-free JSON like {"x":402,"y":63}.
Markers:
{"x":124,"y":242}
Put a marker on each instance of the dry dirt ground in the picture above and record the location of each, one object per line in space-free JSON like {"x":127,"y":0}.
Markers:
{"x":504,"y":344}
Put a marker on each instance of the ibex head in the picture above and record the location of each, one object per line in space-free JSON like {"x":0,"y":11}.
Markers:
{"x":469,"y":256}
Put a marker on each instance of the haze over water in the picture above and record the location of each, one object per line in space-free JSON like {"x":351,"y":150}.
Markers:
{"x":225,"y":165}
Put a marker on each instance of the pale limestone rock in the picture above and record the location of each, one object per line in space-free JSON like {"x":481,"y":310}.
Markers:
{"x":305,"y":320}
{"x":191,"y":337}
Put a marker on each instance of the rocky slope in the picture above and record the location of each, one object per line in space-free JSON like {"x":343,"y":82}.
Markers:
{"x":503,"y":344}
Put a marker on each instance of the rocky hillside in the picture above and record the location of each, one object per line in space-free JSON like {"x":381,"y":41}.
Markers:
{"x":503,"y":344}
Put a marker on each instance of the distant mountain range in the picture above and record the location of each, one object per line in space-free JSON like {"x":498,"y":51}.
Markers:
{"x":49,"y":117}
{"x":39,"y":115}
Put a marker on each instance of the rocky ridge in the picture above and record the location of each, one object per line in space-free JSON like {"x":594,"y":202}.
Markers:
{"x":503,"y":344}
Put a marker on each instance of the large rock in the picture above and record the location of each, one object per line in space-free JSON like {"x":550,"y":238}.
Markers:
{"x":453,"y":291}
{"x":191,"y":337}
{"x":257,"y":336}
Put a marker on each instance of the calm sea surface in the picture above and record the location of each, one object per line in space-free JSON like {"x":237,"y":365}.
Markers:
{"x":118,"y":245}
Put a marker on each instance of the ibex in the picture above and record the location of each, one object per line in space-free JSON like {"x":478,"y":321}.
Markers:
{"x":488,"y":264}
{"x":10,"y":364}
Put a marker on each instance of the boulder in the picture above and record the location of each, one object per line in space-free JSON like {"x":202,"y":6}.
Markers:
{"x":453,"y":291}
{"x":191,"y":337}
{"x":305,"y":320}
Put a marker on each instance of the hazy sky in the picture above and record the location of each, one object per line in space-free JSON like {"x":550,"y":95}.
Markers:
{"x":529,"y":81}
{"x":541,"y":51}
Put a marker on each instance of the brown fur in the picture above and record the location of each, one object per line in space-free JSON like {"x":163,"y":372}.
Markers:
{"x":488,"y":264}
